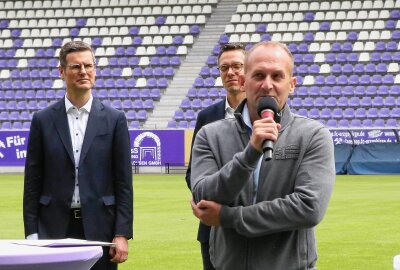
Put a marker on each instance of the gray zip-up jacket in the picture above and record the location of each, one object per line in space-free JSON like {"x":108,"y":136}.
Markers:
{"x":294,"y":188}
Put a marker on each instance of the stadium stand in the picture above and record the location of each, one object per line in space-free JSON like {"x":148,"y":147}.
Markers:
{"x":156,"y":60}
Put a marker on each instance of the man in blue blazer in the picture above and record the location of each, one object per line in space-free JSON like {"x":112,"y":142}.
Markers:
{"x":78,"y":174}
{"x":230,"y":64}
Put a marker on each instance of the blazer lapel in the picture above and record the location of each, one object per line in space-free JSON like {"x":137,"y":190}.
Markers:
{"x":61,"y":124}
{"x":96,"y":119}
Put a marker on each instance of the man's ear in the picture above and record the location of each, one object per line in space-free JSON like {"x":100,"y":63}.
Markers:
{"x":241,"y":82}
{"x":62,"y":72}
{"x":292,"y":85}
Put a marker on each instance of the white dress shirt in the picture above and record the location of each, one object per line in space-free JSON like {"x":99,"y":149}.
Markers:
{"x":77,"y":122}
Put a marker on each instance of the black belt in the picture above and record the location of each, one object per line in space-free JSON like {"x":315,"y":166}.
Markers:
{"x":76,"y":213}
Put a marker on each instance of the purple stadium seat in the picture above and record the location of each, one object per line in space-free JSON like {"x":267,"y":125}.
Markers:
{"x":359,"y":68}
{"x":395,"y":112}
{"x":206,"y":102}
{"x":134,"y":124}
{"x":261,"y":28}
{"x":196,"y":104}
{"x":130,"y":114}
{"x":185,"y":103}
{"x":190,"y":115}
{"x":148,"y":104}
{"x":308,"y":102}
{"x":380,"y":46}
{"x":74,"y":32}
{"x":337,"y":113}
{"x":265,"y":37}
{"x":102,"y":93}
{"x":292,"y":47}
{"x":198,"y":82}
{"x":342,"y":80}
{"x":96,"y":41}
{"x":314,"y":113}
{"x":24,"y":115}
{"x":324,"y":26}
{"x":354,"y":101}
{"x":137,"y":104}
{"x":367,"y":123}
{"x":355,"y":123}
{"x":309,"y":16}
{"x":395,"y":14}
{"x":370,"y":68}
{"x":384,"y":113}
{"x":372,"y":113}
{"x":396,"y":35}
{"x":172,"y":124}
{"x":389,"y":101}
{"x":134,"y":93}
{"x":211,"y":60}
{"x":352,"y":36}
{"x":352,"y":57}
{"x":155,"y":61}
{"x":194,"y":30}
{"x":343,"y":123}
{"x":117,"y":104}
{"x":371,"y":90}
{"x":391,"y":46}
{"x":127,"y":104}
{"x":366,"y":101}
{"x":347,"y":68}
{"x":141,"y":115}
{"x":331,"y":123}
{"x":296,"y":102}
{"x":365,"y":79}
{"x":223,"y":39}
{"x":309,"y":37}
{"x":179,"y":115}
{"x":6,"y":125}
{"x":361,"y":113}
{"x":349,"y":113}
{"x":11,"y":105}
{"x":391,"y":122}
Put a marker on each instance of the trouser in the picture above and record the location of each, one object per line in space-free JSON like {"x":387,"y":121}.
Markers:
{"x":205,"y":254}
{"x":75,"y":230}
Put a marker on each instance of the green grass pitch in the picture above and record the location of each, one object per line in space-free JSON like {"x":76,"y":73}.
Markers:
{"x":360,"y":230}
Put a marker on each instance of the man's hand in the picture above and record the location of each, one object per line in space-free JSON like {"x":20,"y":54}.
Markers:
{"x":264,"y":129}
{"x":207,"y":211}
{"x":119,"y":253}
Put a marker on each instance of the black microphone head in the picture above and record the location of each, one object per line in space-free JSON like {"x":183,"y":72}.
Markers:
{"x":269,"y":103}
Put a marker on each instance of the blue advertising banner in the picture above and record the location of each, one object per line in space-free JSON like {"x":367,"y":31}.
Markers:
{"x":357,"y":137}
{"x":13,"y":148}
{"x":148,"y":147}
{"x":157,"y":147}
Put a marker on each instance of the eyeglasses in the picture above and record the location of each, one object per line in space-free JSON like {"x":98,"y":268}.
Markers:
{"x":78,"y":67}
{"x":236,"y":67}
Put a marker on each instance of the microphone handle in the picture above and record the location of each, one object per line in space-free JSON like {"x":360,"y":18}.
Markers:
{"x":268,"y":148}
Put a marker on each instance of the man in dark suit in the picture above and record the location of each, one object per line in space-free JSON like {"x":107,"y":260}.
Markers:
{"x":78,"y":174}
{"x":230,"y":64}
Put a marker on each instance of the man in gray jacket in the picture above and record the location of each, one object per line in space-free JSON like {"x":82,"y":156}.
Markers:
{"x":263,"y":213}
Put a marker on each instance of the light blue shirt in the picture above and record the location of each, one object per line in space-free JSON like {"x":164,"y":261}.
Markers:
{"x":256,"y":172}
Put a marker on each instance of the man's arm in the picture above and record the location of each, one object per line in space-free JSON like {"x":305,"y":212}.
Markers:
{"x":33,"y":178}
{"x":122,"y":170}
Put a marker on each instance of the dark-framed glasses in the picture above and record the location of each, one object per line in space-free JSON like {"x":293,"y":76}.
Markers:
{"x":236,"y":67}
{"x":78,"y":67}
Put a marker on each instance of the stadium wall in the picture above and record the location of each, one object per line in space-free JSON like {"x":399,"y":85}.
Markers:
{"x":357,"y":151}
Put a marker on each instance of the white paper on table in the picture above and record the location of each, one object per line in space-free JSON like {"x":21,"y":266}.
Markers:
{"x":67,"y":242}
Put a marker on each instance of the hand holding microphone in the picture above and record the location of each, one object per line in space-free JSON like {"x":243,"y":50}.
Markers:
{"x":268,"y":108}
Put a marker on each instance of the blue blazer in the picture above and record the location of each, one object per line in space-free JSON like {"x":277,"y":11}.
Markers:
{"x":208,"y":115}
{"x":105,"y":175}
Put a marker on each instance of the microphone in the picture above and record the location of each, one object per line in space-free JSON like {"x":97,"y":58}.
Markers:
{"x":268,"y":108}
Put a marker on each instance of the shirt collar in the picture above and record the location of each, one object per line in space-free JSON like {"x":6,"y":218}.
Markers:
{"x":86,"y":107}
{"x":228,"y":108}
